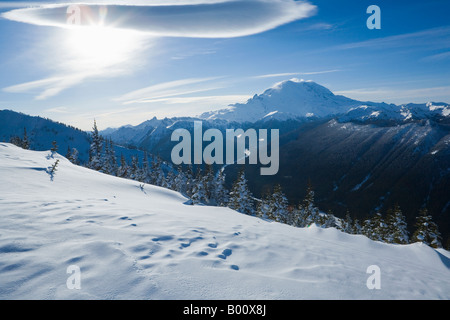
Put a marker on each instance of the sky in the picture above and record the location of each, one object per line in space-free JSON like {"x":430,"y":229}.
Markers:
{"x":124,"y":64}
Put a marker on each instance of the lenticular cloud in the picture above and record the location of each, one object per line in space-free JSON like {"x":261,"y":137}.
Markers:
{"x":203,"y":20}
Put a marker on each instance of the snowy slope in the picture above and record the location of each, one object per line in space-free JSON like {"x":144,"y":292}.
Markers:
{"x":133,"y":243}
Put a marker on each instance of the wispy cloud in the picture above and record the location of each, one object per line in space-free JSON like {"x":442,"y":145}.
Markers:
{"x":289,"y":74}
{"x":437,"y":57}
{"x":397,"y":95}
{"x":430,"y":38}
{"x":223,"y":19}
{"x":168,"y":89}
{"x":222,"y":100}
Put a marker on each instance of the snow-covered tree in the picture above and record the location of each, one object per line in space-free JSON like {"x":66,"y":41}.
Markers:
{"x":357,"y":228}
{"x":263,"y":208}
{"x":241,"y":199}
{"x":95,"y":151}
{"x":180,"y":181}
{"x":221,"y":194}
{"x":397,"y":229}
{"x":347,"y":223}
{"x":199,"y":192}
{"x":157,"y":176}
{"x":190,"y":180}
{"x":308,"y":213}
{"x":278,"y":205}
{"x":72,"y":155}
{"x":375,"y":228}
{"x":110,"y":161}
{"x":426,"y":230}
{"x":123,"y":170}
{"x":25,"y":141}
{"x":327,"y":220}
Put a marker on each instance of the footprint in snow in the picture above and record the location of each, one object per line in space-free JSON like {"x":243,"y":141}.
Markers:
{"x":225,"y":253}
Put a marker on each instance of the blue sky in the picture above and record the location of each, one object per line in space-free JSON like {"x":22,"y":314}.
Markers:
{"x":184,"y":59}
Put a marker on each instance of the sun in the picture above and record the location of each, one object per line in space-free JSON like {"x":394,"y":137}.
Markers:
{"x":98,"y":47}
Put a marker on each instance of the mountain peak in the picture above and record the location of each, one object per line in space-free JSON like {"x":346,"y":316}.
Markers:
{"x":291,"y":98}
{"x":299,"y":87}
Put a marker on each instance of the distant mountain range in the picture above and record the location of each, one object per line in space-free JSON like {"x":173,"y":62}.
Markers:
{"x":360,"y":156}
{"x":42,"y":132}
{"x":293,"y":99}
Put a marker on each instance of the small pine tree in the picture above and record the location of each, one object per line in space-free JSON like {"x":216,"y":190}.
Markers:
{"x":241,"y":198}
{"x":25,"y":141}
{"x":375,"y":228}
{"x":357,"y":228}
{"x":426,"y":230}
{"x":95,"y":151}
{"x":347,"y":223}
{"x":180,"y":181}
{"x":327,"y":220}
{"x":397,"y":229}
{"x":17,"y":141}
{"x":134,"y":168}
{"x":54,"y":148}
{"x":263,"y":208}
{"x":123,"y":170}
{"x":309,"y":213}
{"x":278,"y":205}
{"x":220,"y":191}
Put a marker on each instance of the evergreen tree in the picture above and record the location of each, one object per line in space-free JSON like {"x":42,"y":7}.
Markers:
{"x":397,"y":229}
{"x":426,"y":230}
{"x":308,"y":212}
{"x":146,"y":176}
{"x":327,"y":220}
{"x":278,"y":205}
{"x":134,"y":168}
{"x":54,"y":148}
{"x":170,"y":181}
{"x":17,"y":141}
{"x":263,"y":208}
{"x":157,"y":174}
{"x":123,"y":170}
{"x":72,"y":155}
{"x":199,"y":189}
{"x":180,"y":181}
{"x":241,"y":198}
{"x":357,"y":228}
{"x":347,"y":223}
{"x":375,"y":228}
{"x":110,"y":161}
{"x":95,"y":151}
{"x":25,"y":141}
{"x":221,"y":197}
{"x":190,"y":180}
{"x":208,"y":182}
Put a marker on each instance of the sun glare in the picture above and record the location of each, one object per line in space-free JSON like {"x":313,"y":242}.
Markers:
{"x":99,"y":47}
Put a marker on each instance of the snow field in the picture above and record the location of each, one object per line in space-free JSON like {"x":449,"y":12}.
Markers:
{"x":133,"y":243}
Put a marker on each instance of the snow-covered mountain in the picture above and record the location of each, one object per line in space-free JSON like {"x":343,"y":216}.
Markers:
{"x":288,"y":99}
{"x":134,"y":242}
{"x":295,"y":98}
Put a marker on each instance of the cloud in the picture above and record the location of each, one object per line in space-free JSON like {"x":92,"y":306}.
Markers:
{"x":289,"y":74}
{"x":437,"y":57}
{"x":223,"y":19}
{"x":397,"y":95}
{"x":167,"y":89}
{"x":430,"y":38}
